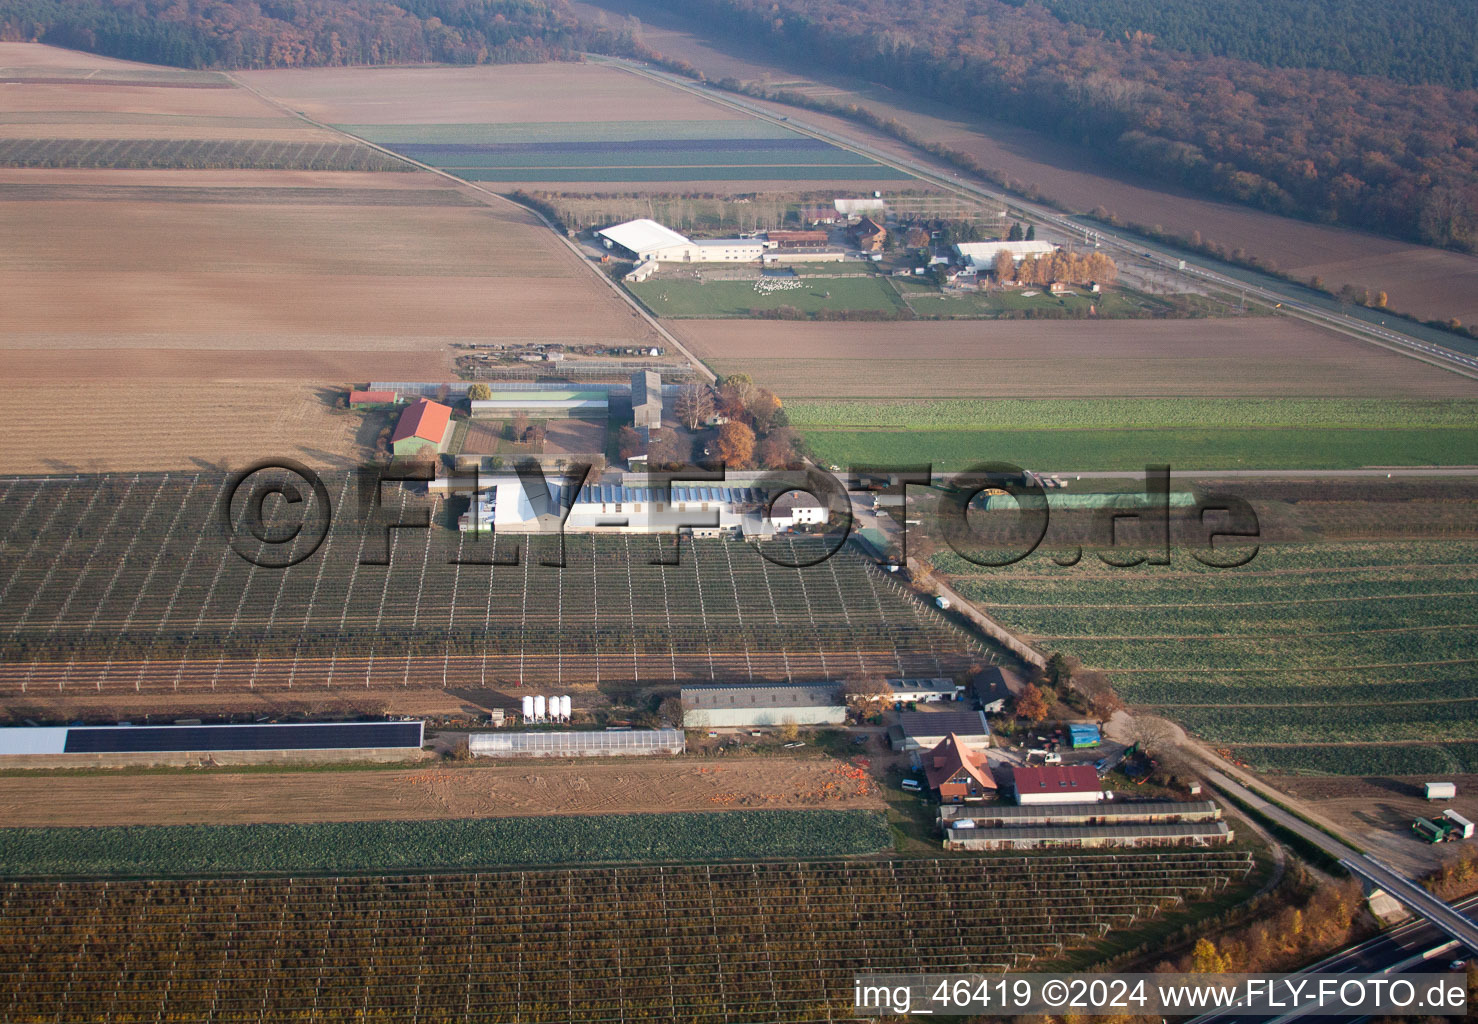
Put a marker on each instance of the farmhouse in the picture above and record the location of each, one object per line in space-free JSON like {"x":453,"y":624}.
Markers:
{"x":924,"y":730}
{"x":869,"y":235}
{"x":718,"y":706}
{"x":798,"y":508}
{"x":981,"y":256}
{"x":992,"y":690}
{"x":645,"y":239}
{"x":959,"y":772}
{"x":1056,"y":784}
{"x":646,"y":399}
{"x":426,"y":424}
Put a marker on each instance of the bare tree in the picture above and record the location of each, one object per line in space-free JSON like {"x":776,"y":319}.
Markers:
{"x":866,"y":693}
{"x":694,"y":405}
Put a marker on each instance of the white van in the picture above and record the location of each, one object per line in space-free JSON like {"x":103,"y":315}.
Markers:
{"x":912,"y":785}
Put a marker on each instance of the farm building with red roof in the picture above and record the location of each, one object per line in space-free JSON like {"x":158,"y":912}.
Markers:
{"x":424,"y":424}
{"x":1056,"y":784}
{"x":360,"y":399}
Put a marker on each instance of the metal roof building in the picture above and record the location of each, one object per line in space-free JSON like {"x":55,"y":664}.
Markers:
{"x":1149,"y":812}
{"x":577,"y":743}
{"x":1201,"y":833}
{"x":1056,"y":784}
{"x":646,"y":398}
{"x":163,"y":739}
{"x":550,"y":402}
{"x":924,"y":730}
{"x":717,"y":706}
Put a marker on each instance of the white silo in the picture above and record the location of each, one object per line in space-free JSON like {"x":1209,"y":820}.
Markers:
{"x":564,"y":707}
{"x":528,"y":709}
{"x":539,"y":708}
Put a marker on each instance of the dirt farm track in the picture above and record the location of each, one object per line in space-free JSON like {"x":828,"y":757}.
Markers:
{"x":535,"y":786}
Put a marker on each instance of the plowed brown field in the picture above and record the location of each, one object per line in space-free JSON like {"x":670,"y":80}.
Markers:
{"x":1062,"y":359}
{"x":504,"y":94}
{"x":535,"y":786}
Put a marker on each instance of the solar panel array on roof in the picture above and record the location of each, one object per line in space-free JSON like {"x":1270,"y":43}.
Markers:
{"x":148,"y":739}
{"x":612,"y":493}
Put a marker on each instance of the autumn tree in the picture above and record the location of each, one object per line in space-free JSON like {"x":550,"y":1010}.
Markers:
{"x":1005,"y":267}
{"x":519,"y":426}
{"x":1206,"y":960}
{"x":479,"y":392}
{"x":761,"y":409}
{"x":629,"y":442}
{"x":665,"y":451}
{"x":777,"y":450}
{"x":1031,"y":704}
{"x":694,"y":405}
{"x":735,"y":445}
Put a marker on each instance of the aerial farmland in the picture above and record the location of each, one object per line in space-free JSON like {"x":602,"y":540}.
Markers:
{"x":452,"y":566}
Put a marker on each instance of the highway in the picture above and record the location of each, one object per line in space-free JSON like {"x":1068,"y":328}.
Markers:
{"x":1454,"y":924}
{"x":1289,"y":299}
{"x":1415,"y":947}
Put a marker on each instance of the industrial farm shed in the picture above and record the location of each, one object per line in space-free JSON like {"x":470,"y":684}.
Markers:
{"x":577,"y":743}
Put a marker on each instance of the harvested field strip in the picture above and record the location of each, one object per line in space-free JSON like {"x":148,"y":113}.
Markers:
{"x":75,"y":613}
{"x":236,"y":195}
{"x":1080,"y":414}
{"x":756,"y":172}
{"x":1367,"y":643}
{"x":703,"y":943}
{"x":745,"y":156}
{"x":581,"y":133}
{"x":1133,"y":449}
{"x":175,"y":850}
{"x":196,"y":154}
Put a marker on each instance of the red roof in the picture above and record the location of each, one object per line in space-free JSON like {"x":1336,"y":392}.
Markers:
{"x":426,"y":419}
{"x":371,"y":397}
{"x":945,"y":761}
{"x":1056,"y":778}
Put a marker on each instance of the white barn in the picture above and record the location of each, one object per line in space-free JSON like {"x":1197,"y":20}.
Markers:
{"x":649,"y":241}
{"x":718,"y":706}
{"x":981,"y":256}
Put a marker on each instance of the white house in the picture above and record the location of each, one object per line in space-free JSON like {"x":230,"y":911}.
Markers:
{"x":798,"y":508}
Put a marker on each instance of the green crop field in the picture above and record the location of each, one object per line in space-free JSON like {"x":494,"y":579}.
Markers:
{"x":1111,"y":434}
{"x":692,"y":299}
{"x":1183,"y":449}
{"x":1346,"y":658}
{"x":625,"y":151}
{"x":464,"y":844}
{"x":1104,"y":413}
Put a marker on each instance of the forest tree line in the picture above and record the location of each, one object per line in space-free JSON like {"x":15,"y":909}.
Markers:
{"x":311,"y":33}
{"x":1326,"y":146}
{"x":1412,"y":41}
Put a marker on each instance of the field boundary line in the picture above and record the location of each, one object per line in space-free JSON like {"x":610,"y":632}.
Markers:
{"x":698,"y":365}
